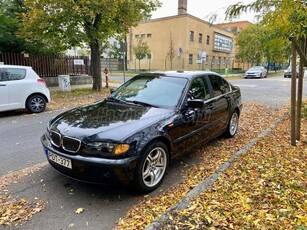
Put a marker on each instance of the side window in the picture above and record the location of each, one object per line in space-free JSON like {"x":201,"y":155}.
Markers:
{"x":14,"y":74}
{"x":197,"y":90}
{"x":219,"y":85}
{"x":225,"y":86}
{"x":1,"y":75}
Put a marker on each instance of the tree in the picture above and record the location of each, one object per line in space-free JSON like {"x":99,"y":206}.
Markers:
{"x":250,"y":44}
{"x":260,"y":43}
{"x":141,"y":50}
{"x":69,"y":23}
{"x":171,"y":50}
{"x":10,"y":23}
{"x":290,"y":18}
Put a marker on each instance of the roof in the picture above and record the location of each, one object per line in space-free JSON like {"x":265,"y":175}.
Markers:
{"x":178,"y":73}
{"x":15,"y":66}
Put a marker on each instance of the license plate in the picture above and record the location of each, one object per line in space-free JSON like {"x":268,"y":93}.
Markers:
{"x":60,"y":160}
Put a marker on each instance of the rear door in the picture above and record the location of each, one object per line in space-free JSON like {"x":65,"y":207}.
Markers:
{"x":221,"y":100}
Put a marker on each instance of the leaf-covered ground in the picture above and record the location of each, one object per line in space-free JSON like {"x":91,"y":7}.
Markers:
{"x":14,"y":210}
{"x":265,"y":189}
{"x":76,"y":97}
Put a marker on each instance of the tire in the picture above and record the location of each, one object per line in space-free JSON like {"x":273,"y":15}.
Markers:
{"x":36,"y":104}
{"x":233,"y":125}
{"x":151,"y":168}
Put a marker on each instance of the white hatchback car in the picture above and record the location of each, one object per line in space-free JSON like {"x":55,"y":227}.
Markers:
{"x":22,"y":88}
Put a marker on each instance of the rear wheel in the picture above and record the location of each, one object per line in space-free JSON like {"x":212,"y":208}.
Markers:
{"x":233,"y":125}
{"x":36,"y":104}
{"x":151,"y":168}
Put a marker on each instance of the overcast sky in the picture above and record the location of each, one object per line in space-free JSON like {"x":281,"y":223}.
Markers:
{"x":202,"y":9}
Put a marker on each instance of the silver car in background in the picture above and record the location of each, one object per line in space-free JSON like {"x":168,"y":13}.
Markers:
{"x":256,"y":72}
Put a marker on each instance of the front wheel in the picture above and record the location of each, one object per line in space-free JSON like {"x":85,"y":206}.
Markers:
{"x":233,"y":125}
{"x":36,"y":104}
{"x":151,"y":168}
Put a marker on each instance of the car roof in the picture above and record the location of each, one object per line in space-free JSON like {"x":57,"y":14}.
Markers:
{"x":178,"y":73}
{"x":15,"y":66}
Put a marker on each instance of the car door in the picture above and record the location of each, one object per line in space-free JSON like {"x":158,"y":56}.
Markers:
{"x":17,"y":86}
{"x":4,"y":91}
{"x":189,"y":127}
{"x":221,"y":100}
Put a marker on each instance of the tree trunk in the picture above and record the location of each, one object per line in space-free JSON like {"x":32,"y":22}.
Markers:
{"x":96,"y":65}
{"x":139,"y":65}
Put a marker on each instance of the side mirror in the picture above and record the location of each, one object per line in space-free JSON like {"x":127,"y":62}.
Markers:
{"x":196,"y":104}
{"x":112,"y":90}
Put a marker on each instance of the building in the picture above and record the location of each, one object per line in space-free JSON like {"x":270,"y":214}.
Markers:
{"x":193,"y":43}
{"x":234,"y":27}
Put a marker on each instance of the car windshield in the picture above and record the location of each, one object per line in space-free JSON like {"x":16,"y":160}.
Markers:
{"x":256,"y":68}
{"x":151,"y":91}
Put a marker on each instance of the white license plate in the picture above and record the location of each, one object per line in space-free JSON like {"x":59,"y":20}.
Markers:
{"x":60,"y":160}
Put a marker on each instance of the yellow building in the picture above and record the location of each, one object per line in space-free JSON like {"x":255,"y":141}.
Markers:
{"x":194,"y":42}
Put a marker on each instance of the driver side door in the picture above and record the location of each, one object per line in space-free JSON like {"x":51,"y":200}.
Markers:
{"x":192,"y":124}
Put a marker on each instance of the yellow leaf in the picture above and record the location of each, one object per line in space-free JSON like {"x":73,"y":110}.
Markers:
{"x":79,"y":210}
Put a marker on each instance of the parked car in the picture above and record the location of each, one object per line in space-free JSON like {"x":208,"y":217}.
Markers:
{"x":135,"y":132}
{"x":256,"y":72}
{"x":288,"y":72}
{"x":22,"y":88}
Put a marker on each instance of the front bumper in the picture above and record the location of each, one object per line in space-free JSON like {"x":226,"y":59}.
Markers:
{"x":93,"y":169}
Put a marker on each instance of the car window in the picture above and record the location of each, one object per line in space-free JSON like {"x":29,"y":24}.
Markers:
{"x":198,"y":90}
{"x":219,"y":85}
{"x":13,"y":74}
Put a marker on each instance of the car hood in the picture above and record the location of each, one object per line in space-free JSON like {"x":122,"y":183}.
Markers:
{"x":107,"y":120}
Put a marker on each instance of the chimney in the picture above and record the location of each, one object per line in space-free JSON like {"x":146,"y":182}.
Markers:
{"x":182,"y":7}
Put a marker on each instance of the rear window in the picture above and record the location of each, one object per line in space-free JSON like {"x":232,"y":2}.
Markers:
{"x":12,"y":74}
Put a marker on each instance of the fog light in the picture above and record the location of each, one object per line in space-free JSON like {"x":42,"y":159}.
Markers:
{"x":121,"y":148}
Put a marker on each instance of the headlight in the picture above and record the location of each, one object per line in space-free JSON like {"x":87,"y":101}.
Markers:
{"x":109,"y":148}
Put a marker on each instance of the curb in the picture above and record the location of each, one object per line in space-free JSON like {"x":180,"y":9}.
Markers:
{"x":209,"y":181}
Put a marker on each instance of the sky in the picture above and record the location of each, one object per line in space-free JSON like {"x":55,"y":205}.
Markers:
{"x":202,"y":9}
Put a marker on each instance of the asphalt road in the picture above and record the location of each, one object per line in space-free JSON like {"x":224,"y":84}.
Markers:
{"x":104,"y":205}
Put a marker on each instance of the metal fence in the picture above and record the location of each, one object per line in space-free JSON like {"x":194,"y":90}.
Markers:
{"x":49,"y":66}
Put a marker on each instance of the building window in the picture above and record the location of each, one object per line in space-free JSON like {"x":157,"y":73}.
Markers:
{"x":200,"y":38}
{"x":142,"y":36}
{"x":148,"y":35}
{"x":137,"y":36}
{"x":220,"y":60}
{"x":190,"y":58}
{"x":208,"y":40}
{"x":148,"y":56}
{"x":191,"y":36}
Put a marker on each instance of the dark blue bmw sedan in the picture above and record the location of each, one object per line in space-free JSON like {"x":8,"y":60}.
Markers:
{"x":132,"y":135}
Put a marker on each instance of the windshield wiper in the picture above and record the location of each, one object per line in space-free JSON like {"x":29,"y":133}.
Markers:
{"x":143,"y":103}
{"x":117,"y":100}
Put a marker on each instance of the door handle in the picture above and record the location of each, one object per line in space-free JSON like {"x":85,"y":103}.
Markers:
{"x":2,"y":84}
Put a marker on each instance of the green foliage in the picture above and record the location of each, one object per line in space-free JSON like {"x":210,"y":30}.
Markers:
{"x":71,"y":23}
{"x":259,"y":43}
{"x":287,"y":15}
{"x":250,"y":45}
{"x":10,"y":24}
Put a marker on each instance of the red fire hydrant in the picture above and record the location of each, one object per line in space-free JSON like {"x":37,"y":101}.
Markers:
{"x":106,"y":72}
